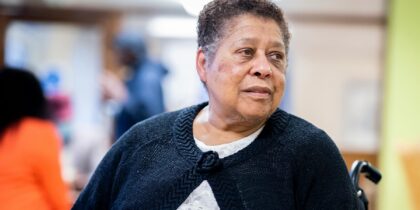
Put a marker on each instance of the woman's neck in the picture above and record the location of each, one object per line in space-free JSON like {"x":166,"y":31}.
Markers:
{"x":211,"y":129}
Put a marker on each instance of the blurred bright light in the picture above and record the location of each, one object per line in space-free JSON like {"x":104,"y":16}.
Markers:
{"x":193,"y":7}
{"x":172,"y":27}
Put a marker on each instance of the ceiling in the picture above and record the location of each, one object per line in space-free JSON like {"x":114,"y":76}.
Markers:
{"x":363,"y":8}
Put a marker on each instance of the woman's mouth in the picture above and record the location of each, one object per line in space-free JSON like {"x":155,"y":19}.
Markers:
{"x":258,"y":92}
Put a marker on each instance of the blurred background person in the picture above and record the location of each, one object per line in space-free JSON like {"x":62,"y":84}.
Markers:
{"x":30,"y":171}
{"x":142,"y":94}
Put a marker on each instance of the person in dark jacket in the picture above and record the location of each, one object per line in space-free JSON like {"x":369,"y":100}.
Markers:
{"x":143,"y":82}
{"x":236,"y":151}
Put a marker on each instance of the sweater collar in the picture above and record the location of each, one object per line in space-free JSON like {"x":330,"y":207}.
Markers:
{"x":184,"y":139}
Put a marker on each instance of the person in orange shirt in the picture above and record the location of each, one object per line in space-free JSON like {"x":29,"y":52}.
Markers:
{"x":30,"y":173}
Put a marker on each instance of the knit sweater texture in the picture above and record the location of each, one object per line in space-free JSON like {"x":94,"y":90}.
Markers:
{"x":156,"y":165}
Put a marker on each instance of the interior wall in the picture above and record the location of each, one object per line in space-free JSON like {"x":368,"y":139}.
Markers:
{"x":336,"y":80}
{"x":182,"y":86}
{"x":401,"y":115}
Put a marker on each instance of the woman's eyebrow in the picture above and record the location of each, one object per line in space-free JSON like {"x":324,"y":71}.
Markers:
{"x":273,"y":44}
{"x":245,"y":41}
{"x":277,"y":44}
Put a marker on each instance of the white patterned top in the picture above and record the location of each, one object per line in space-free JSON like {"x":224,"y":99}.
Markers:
{"x":202,"y":198}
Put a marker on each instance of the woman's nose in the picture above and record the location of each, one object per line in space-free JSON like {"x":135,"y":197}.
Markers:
{"x":262,"y":68}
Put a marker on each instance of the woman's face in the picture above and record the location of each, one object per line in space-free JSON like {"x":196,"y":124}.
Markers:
{"x":246,"y":77}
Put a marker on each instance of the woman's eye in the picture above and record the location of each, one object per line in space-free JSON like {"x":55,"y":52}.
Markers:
{"x":247,"y":52}
{"x":276,"y":56}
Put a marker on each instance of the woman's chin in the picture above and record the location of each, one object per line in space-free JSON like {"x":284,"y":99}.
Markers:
{"x":257,"y":113}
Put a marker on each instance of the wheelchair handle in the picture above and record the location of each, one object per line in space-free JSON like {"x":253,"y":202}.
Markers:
{"x":372,"y":174}
{"x":365,"y":167}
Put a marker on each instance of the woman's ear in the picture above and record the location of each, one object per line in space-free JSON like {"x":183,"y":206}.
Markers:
{"x":201,"y":65}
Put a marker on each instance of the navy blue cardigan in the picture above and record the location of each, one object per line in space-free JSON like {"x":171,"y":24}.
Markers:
{"x":156,"y":165}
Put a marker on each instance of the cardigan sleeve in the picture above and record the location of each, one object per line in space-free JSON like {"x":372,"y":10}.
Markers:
{"x":322,"y":179}
{"x":98,"y":192}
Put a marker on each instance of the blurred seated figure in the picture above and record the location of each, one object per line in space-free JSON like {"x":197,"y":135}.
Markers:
{"x":30,"y":171}
{"x":142,"y":95}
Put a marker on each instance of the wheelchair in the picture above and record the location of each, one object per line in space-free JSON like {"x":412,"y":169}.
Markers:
{"x":371,"y":173}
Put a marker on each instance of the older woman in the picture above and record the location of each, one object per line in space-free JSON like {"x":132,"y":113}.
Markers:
{"x":238,"y":151}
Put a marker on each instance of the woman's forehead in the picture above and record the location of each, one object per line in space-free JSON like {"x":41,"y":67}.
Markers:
{"x":250,"y":28}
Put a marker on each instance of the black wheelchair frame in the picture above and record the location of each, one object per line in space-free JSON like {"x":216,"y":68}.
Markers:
{"x":371,"y":173}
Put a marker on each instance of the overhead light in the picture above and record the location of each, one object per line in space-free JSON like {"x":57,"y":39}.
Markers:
{"x":172,"y":27}
{"x":193,"y":7}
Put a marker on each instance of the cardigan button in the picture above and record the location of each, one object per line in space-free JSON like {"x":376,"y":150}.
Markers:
{"x":209,"y":162}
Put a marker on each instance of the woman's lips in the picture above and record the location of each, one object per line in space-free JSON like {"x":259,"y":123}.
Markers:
{"x":258,"y":92}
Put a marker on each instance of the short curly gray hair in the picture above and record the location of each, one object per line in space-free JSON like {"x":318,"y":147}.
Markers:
{"x":216,"y":14}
